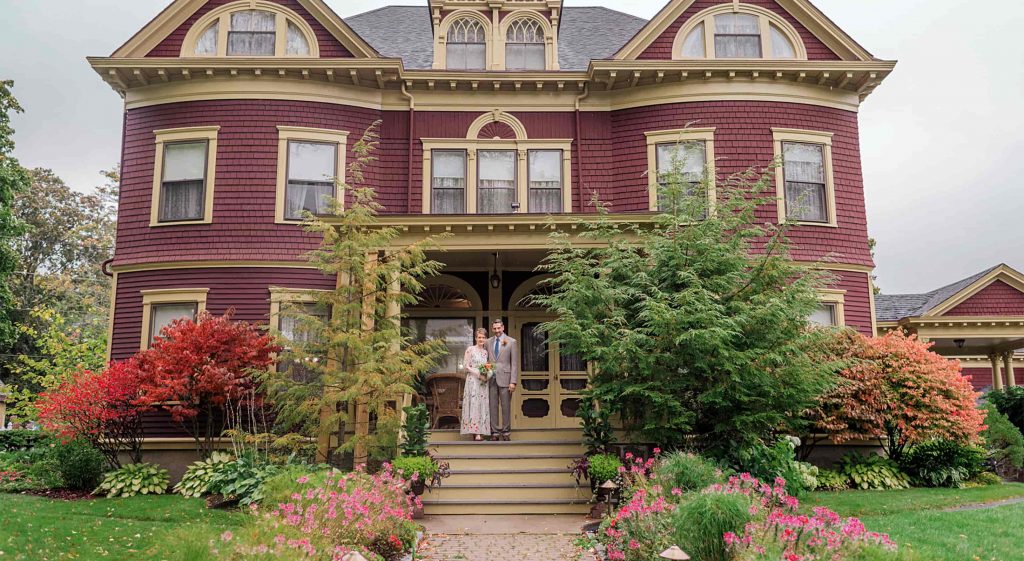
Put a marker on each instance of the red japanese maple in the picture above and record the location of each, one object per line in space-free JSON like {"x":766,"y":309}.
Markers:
{"x":198,"y":370}
{"x":99,"y":407}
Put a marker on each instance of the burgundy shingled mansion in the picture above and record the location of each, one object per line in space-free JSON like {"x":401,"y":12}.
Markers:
{"x":495,"y":116}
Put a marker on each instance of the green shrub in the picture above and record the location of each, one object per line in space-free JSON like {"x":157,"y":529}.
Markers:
{"x":20,"y":440}
{"x":829,"y":480}
{"x":687,"y":472}
{"x":984,"y":479}
{"x":1004,"y":442}
{"x":872,"y":472}
{"x":36,"y":470}
{"x":768,"y":463}
{"x":80,"y":465}
{"x":242,"y":478}
{"x":943,"y":463}
{"x":603,"y":467}
{"x":417,"y":431}
{"x":699,"y":524}
{"x":135,"y":479}
{"x":293,"y":479}
{"x":424,"y":466}
{"x":196,"y":481}
{"x":1009,"y":402}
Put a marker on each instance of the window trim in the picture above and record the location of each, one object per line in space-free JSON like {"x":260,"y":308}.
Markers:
{"x":679,"y":136}
{"x":150,"y":298}
{"x":520,"y":146}
{"x":206,"y":134}
{"x":837,"y":299}
{"x":441,"y":40}
{"x":286,"y":134}
{"x":286,"y":295}
{"x":766,"y":19}
{"x":222,"y":15}
{"x":800,"y":136}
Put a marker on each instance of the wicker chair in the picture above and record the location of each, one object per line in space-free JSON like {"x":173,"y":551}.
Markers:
{"x":446,"y":394}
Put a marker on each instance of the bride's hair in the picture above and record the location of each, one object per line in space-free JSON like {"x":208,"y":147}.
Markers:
{"x":481,"y":331}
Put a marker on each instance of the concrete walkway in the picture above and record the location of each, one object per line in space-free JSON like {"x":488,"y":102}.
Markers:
{"x":986,"y":506}
{"x":502,"y":538}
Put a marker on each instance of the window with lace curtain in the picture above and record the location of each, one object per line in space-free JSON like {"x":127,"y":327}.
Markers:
{"x":312,"y":168}
{"x":496,"y":183}
{"x":252,"y":33}
{"x":183,"y":187}
{"x":163,"y":315}
{"x":466,"y":47}
{"x":743,"y":31}
{"x":258,"y":29}
{"x":804,"y":171}
{"x":544,"y":192}
{"x":448,"y":181}
{"x":524,"y":45}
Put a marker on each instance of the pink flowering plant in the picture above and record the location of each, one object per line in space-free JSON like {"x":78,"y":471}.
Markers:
{"x":327,"y":519}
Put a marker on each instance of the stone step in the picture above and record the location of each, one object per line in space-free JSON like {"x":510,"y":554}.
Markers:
{"x":526,"y":448}
{"x":511,"y":492}
{"x":540,"y":476}
{"x":507,"y":462}
{"x":479,"y":507}
{"x":448,"y":435}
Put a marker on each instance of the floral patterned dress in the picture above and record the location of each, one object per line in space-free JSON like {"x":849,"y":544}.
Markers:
{"x":476,"y":412}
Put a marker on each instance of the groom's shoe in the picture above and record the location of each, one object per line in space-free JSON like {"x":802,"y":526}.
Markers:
{"x":506,"y":437}
{"x":496,"y":438}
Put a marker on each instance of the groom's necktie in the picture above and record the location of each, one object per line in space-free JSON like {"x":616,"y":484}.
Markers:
{"x":497,"y":346}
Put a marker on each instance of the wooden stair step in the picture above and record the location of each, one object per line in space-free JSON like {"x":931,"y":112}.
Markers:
{"x":504,"y":462}
{"x":479,"y":507}
{"x":500,"y":493}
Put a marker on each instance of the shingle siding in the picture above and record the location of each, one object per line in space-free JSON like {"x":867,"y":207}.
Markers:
{"x":996,"y":299}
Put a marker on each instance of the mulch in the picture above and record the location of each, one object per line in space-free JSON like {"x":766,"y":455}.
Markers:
{"x":63,"y":494}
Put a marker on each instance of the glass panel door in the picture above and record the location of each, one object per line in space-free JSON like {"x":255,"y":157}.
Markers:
{"x":533,"y":405}
{"x":571,"y":378}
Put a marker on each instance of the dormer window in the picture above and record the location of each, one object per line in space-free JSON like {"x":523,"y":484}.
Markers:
{"x":251,"y":28}
{"x":467,"y":45}
{"x":524,"y":46}
{"x":738,"y":32}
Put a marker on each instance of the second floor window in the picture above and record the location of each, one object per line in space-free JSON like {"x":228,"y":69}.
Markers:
{"x":183,"y":186}
{"x":804,"y":174}
{"x":545,"y":188}
{"x":467,"y":46}
{"x":496,"y":183}
{"x":824,"y":316}
{"x":448,"y":182}
{"x":737,"y":36}
{"x":312,"y":168}
{"x":524,"y":46}
{"x":252,"y":33}
{"x":683,"y":163}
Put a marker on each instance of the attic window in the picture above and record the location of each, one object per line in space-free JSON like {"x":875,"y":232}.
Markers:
{"x":251,"y":28}
{"x":467,"y":45}
{"x":746,"y":32}
{"x":524,"y":46}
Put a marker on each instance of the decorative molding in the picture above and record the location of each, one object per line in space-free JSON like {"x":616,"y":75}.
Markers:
{"x":222,"y":16}
{"x":496,"y":116}
{"x":766,"y":18}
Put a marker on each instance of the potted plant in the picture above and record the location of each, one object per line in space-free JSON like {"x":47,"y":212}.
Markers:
{"x":418,"y":469}
{"x":601,"y":468}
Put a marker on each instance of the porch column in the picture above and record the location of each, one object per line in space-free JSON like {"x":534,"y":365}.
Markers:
{"x":1011,"y":380}
{"x":997,"y":377}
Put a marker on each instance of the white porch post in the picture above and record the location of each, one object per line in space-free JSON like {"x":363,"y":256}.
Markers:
{"x":997,"y":378}
{"x":1011,"y":380}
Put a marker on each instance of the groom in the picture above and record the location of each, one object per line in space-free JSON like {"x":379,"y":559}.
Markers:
{"x":503,"y":353}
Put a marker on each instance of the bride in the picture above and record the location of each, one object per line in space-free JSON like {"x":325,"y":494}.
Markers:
{"x":476,"y":417}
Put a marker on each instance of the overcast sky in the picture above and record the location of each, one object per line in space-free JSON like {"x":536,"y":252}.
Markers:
{"x":942,"y":139}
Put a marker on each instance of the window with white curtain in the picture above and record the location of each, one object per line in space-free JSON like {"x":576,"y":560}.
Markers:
{"x":163,"y":315}
{"x":296,"y":45}
{"x":448,"y":182}
{"x":781,"y":47}
{"x":312,"y":168}
{"x":684,"y":163}
{"x":804,"y":174}
{"x":737,"y":36}
{"x":524,"y":46}
{"x":252,"y":33}
{"x":466,"y":48}
{"x":824,"y":316}
{"x":694,"y":46}
{"x":545,"y":181}
{"x":496,"y":181}
{"x":207,"y":43}
{"x":183,"y":186}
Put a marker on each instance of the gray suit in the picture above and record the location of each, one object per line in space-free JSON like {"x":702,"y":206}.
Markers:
{"x":506,"y":371}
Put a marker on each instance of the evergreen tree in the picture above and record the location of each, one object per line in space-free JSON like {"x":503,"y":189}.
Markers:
{"x":13,"y":179}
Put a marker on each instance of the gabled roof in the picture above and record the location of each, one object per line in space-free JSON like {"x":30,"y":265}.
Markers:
{"x":895,"y":307}
{"x":803,"y":10}
{"x":584,"y":34}
{"x":178,"y":12}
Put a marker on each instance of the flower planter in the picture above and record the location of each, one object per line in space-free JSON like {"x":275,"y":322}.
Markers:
{"x":418,"y":487}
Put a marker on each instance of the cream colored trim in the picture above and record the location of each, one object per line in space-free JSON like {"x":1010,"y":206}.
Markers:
{"x":766,"y":18}
{"x":1003,"y":273}
{"x":460,"y":285}
{"x":173,"y":265}
{"x":287,"y":134}
{"x":111,"y":314}
{"x":837,"y":299}
{"x":168,"y":296}
{"x":163,"y":137}
{"x":259,"y":88}
{"x":871,"y":303}
{"x":824,"y":29}
{"x":808,"y":137}
{"x":680,"y":136}
{"x":550,"y":42}
{"x":522,"y":290}
{"x":441,"y":38}
{"x":284,"y":295}
{"x":222,"y":16}
{"x":496,"y":116}
{"x":521,"y":147}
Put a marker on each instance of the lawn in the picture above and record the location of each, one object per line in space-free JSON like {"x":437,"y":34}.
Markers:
{"x":137,"y":528}
{"x":919,"y":521}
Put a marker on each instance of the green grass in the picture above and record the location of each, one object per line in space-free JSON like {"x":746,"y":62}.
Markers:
{"x":136,"y":528}
{"x":918,"y":520}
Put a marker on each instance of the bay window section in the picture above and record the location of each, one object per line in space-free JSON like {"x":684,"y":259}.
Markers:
{"x":496,"y":183}
{"x":805,"y":182}
{"x":544,"y":192}
{"x":737,"y":36}
{"x":448,"y":182}
{"x":183,"y":185}
{"x":681,"y":166}
{"x":312,"y":169}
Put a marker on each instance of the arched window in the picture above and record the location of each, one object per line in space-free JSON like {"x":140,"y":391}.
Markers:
{"x":746,"y":33}
{"x":251,"y":28}
{"x":466,"y":46}
{"x":524,"y":45}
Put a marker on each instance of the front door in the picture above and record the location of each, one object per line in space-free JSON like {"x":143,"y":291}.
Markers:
{"x":550,"y":383}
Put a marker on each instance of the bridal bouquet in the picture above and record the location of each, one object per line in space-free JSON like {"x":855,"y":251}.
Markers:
{"x":487,"y":371}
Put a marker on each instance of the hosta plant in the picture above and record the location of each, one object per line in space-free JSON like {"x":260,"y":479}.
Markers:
{"x":872,"y":472}
{"x":196,"y":481}
{"x":135,"y":479}
{"x":829,"y":480}
{"x":243,"y":478}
